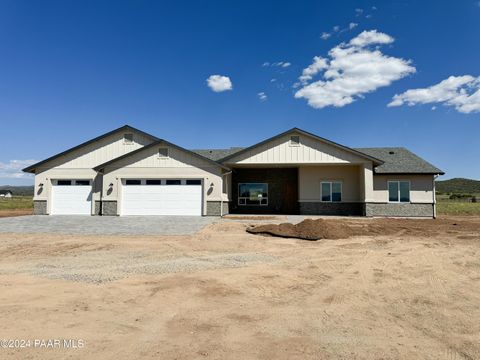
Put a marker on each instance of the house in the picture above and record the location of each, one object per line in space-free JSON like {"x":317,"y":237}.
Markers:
{"x":130,"y":172}
{"x":5,"y":194}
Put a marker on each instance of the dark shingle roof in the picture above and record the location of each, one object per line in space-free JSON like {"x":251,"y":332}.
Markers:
{"x":5,"y":192}
{"x":217,"y":154}
{"x":399,"y":160}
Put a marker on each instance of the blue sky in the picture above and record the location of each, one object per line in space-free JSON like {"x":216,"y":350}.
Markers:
{"x":72,"y":70}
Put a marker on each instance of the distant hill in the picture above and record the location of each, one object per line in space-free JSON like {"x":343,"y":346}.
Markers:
{"x":18,"y":190}
{"x":458,"y":186}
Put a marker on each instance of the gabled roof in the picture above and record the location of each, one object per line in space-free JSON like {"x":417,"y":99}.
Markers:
{"x":157,"y":143}
{"x":217,"y":154}
{"x":305,"y":133}
{"x":124,"y":128}
{"x":398,"y":160}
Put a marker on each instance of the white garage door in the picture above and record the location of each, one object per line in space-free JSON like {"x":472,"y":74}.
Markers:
{"x":71,"y":197}
{"x":162,"y":197}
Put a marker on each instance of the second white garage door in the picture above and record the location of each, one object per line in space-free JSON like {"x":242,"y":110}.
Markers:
{"x":161,"y":197}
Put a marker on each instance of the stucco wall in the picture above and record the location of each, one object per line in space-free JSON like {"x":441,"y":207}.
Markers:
{"x":179,"y":165}
{"x":421,"y":188}
{"x":309,"y":178}
{"x":79,"y":164}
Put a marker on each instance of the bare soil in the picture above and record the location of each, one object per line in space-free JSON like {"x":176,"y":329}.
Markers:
{"x":316,"y":229}
{"x":15,"y":212}
{"x":404,"y":289}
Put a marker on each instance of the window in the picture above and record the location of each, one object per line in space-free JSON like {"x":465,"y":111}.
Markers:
{"x":253,"y":194}
{"x":399,"y":191}
{"x":154,"y":182}
{"x":331,"y":191}
{"x":82,"y":182}
{"x":133,"y":182}
{"x":64,"y":182}
{"x":163,"y":152}
{"x":294,"y":140}
{"x":128,"y":138}
{"x":174,"y":182}
{"x":194,"y":182}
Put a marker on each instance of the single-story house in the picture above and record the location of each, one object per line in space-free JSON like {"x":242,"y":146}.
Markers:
{"x":130,"y":172}
{"x":6,"y":193}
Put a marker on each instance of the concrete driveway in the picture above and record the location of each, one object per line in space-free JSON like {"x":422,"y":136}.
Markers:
{"x":105,"y":225}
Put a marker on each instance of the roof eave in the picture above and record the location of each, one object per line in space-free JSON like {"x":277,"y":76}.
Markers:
{"x":32,"y":168}
{"x":295,"y":129}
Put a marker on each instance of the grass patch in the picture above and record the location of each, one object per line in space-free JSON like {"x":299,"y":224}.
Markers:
{"x":458,"y":208}
{"x":16,"y":202}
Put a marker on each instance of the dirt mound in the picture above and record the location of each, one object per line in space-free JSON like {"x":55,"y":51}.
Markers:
{"x":308,"y":229}
{"x":316,"y":229}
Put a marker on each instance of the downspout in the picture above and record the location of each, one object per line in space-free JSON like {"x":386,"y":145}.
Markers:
{"x":221,"y":195}
{"x":434,"y":198}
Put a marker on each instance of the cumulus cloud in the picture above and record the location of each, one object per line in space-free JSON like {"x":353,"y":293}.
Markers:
{"x":13,"y":169}
{"x":313,"y":69}
{"x":262,"y":96}
{"x":352,"y":25}
{"x":336,"y":28}
{"x":351,"y":70}
{"x":219,"y":83}
{"x":461,"y":92}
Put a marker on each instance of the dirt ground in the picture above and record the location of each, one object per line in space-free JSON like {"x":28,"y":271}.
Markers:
{"x":227,"y":294}
{"x":15,"y":212}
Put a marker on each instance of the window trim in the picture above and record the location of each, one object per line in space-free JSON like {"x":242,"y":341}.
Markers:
{"x":331,"y":192}
{"x":245,"y":198}
{"x":398,"y":192}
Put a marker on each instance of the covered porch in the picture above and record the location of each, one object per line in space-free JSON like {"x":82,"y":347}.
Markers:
{"x":313,"y":189}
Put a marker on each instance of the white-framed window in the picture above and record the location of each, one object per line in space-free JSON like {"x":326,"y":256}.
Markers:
{"x":128,"y":139}
{"x":294,"y":140}
{"x":253,"y":194}
{"x":163,"y":152}
{"x":398,"y":191}
{"x":331,"y":191}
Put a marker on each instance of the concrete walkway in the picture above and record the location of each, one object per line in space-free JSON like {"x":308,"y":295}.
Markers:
{"x":105,"y":225}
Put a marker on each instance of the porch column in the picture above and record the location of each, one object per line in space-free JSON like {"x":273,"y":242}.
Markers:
{"x":366,"y":174}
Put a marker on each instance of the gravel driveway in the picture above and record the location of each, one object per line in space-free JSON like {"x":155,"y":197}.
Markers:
{"x":105,"y":225}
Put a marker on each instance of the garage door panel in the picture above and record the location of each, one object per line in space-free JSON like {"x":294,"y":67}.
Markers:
{"x":162,"y":200}
{"x":71,"y":200}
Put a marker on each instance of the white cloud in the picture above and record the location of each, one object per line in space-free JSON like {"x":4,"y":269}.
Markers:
{"x":374,"y":8}
{"x":352,"y":25}
{"x":314,"y":68}
{"x":286,"y":64}
{"x":371,"y":37}
{"x":358,"y":12}
{"x":262,"y":96}
{"x":219,"y":83}
{"x":266,"y":63}
{"x":336,"y":28}
{"x":283,"y":64}
{"x":461,"y":92}
{"x":13,"y":169}
{"x":351,"y":70}
{"x":325,"y":36}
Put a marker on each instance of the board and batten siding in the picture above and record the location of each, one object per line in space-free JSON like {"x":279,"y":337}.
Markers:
{"x":148,"y":164}
{"x":79,"y":164}
{"x":280,"y":151}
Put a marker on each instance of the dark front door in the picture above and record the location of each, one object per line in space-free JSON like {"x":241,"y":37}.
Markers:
{"x":264,"y":191}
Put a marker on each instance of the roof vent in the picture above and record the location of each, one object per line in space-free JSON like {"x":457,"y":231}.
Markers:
{"x":391,"y":152}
